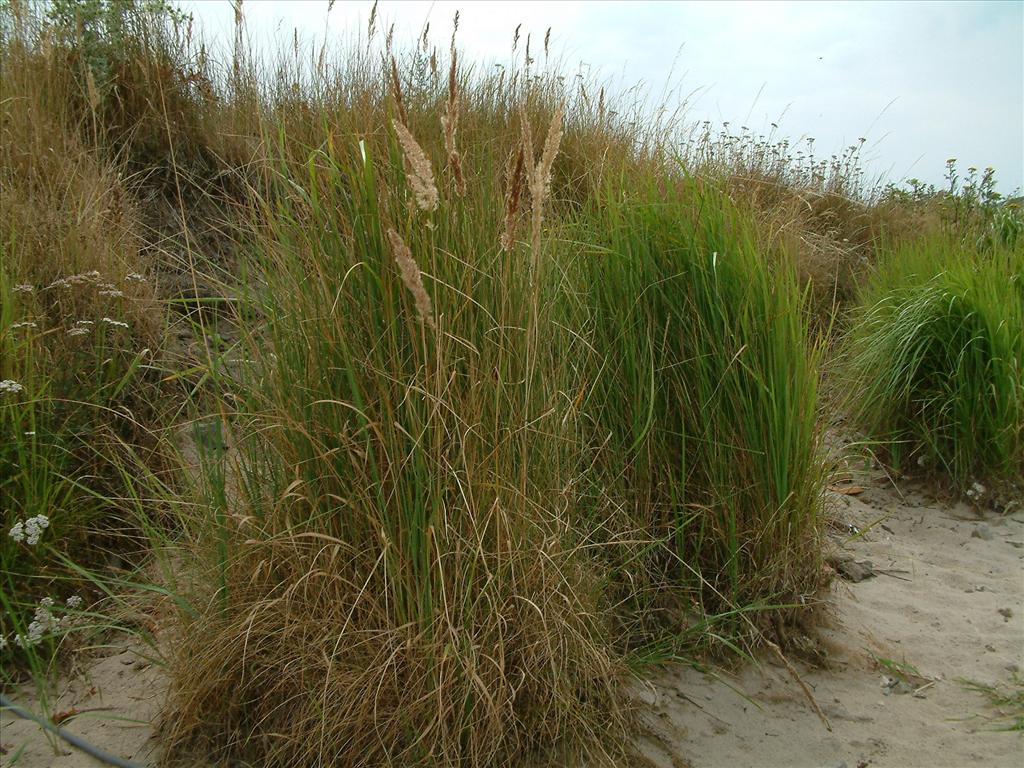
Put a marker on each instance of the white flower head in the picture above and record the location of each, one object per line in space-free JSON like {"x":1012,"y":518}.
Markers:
{"x":17,"y":532}
{"x":74,"y":602}
{"x":34,"y":528}
{"x":23,"y":288}
{"x":111,"y":292}
{"x":30,"y":531}
{"x":13,"y":387}
{"x":78,"y":330}
{"x":115,"y":323}
{"x":23,"y":324}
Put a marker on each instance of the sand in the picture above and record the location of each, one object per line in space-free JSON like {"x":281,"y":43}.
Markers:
{"x":948,"y":570}
{"x":110,"y":704}
{"x":948,"y":600}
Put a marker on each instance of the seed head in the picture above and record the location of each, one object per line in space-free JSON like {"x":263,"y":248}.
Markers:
{"x":420,"y":174}
{"x":412,"y":277}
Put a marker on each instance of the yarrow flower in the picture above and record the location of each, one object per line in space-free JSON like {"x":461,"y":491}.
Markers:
{"x":74,"y":602}
{"x":13,"y":387}
{"x":134,"y":277}
{"x":70,"y":280}
{"x":111,"y":292}
{"x":24,"y":324}
{"x":117,"y":323}
{"x":43,"y":622}
{"x":78,"y":330}
{"x":29,"y":531}
{"x":23,"y":288}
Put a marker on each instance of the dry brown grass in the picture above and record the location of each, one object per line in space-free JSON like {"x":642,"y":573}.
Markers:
{"x":312,"y":667}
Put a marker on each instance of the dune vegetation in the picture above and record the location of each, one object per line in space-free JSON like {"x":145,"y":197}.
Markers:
{"x":410,"y":407}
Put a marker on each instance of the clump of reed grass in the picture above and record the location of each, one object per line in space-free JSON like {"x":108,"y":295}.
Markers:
{"x":397,"y":580}
{"x":934,"y":359}
{"x":704,"y":396}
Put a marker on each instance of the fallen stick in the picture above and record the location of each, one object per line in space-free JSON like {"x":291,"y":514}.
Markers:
{"x":801,"y":683}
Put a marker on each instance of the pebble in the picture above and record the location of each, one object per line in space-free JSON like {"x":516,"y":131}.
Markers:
{"x":983,"y":532}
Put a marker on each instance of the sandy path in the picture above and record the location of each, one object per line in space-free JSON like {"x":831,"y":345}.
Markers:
{"x":950,"y":573}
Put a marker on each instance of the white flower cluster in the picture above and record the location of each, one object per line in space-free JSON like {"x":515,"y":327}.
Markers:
{"x":976,"y":491}
{"x":23,"y":324}
{"x":81,"y":328}
{"x":23,"y":288}
{"x":134,"y":277}
{"x":43,"y":623}
{"x":30,"y":530}
{"x":111,"y":292}
{"x":13,"y":387}
{"x":70,"y":280}
{"x":115,"y":323}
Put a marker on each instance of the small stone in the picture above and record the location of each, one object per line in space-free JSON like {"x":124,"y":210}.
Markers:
{"x":853,"y":571}
{"x":1006,"y":613}
{"x":990,"y":648}
{"x":983,"y":532}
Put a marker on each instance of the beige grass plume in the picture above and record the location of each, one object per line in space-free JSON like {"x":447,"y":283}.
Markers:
{"x":396,"y":88}
{"x":412,"y":277}
{"x":419,"y":172}
{"x":540,"y":178}
{"x":450,"y":124}
{"x":515,"y":175}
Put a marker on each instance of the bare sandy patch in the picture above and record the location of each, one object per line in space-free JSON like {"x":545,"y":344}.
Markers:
{"x":946,"y":604}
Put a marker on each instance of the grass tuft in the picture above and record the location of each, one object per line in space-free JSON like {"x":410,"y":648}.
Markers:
{"x":934,"y":359}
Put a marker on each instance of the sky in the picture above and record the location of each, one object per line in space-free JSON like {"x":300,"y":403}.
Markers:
{"x":921,"y":81}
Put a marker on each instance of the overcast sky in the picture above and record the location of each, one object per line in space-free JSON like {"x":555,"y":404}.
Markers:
{"x":923,"y":82}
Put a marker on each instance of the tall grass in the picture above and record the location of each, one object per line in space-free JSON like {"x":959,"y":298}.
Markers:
{"x":399,"y":555}
{"x":935,"y":358}
{"x":486,"y":388}
{"x":706,"y":394}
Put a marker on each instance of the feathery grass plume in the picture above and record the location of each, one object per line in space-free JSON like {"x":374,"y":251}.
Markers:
{"x":450,"y":124}
{"x":551,"y":144}
{"x":540,"y":184}
{"x":396,"y":89}
{"x":420,"y":175}
{"x":412,"y":277}
{"x":515,"y":173}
